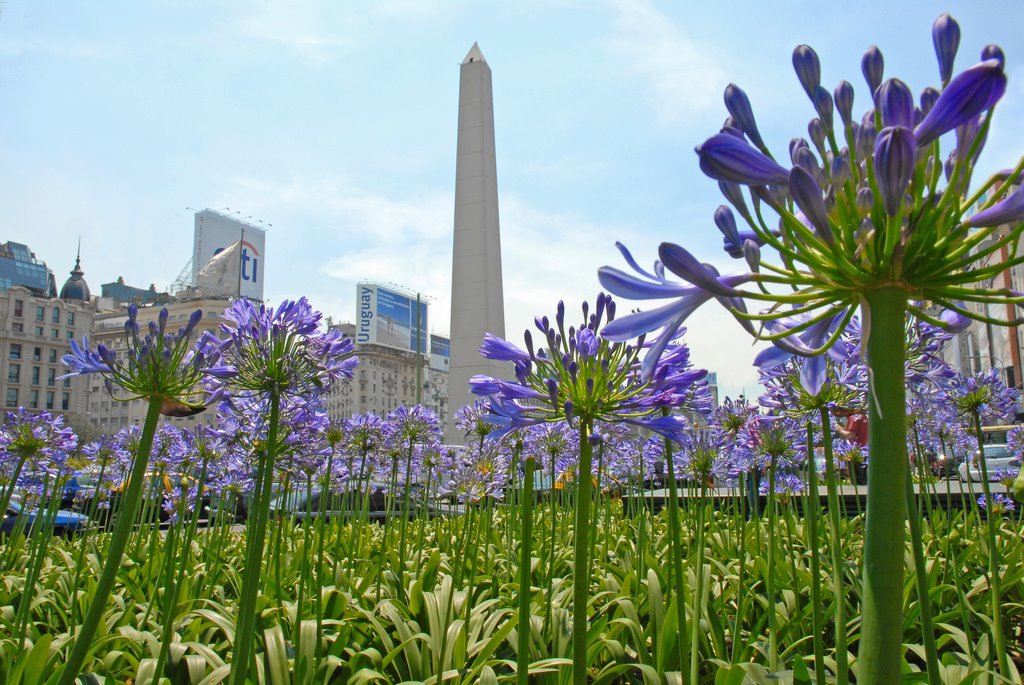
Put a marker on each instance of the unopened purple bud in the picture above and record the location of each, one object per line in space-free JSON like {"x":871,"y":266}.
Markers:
{"x":193,"y":320}
{"x":866,"y":137}
{"x":734,"y":194}
{"x":809,"y":163}
{"x":970,"y":93}
{"x":1008,"y":211}
{"x":946,"y":38}
{"x":895,"y":152}
{"x":568,"y":409}
{"x":726,"y":158}
{"x":553,"y":391}
{"x":873,"y":67}
{"x":823,"y":106}
{"x":611,"y":308}
{"x":528,"y":339}
{"x":590,"y":386}
{"x":795,"y":145}
{"x":816,"y":131}
{"x":573,"y":369}
{"x":807,"y":195}
{"x":844,"y":102}
{"x":928,"y":98}
{"x":896,"y":104}
{"x":865,"y":200}
{"x":726,"y":223}
{"x":993,"y":52}
{"x":738,"y":104}
{"x":808,"y":68}
{"x":560,"y":315}
{"x":752,"y":254}
{"x":586,"y":309}
{"x":950,"y":165}
{"x":841,"y":169}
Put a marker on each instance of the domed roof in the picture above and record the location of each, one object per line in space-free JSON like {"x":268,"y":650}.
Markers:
{"x":75,"y":288}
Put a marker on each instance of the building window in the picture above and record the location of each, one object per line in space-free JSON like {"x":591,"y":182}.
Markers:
{"x":53,"y":356}
{"x":35,"y":375}
{"x":18,"y":327}
{"x":51,"y":377}
{"x":67,"y":382}
{"x":71,"y":334}
{"x":54,"y":333}
{"x":15,"y":351}
{"x":65,"y":401}
{"x":18,"y":305}
{"x":34,"y":399}
{"x":14,"y":373}
{"x":71,"y":318}
{"x":55,"y":317}
{"x":49,"y":400}
{"x":40,"y":313}
{"x":12,"y":397}
{"x":39,"y":331}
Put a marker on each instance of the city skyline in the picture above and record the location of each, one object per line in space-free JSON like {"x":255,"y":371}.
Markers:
{"x":336,"y":127}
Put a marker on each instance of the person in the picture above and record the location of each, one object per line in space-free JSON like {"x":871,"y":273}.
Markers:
{"x":856,"y":431}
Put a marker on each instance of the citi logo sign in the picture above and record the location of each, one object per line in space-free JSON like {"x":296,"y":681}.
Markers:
{"x":248,"y":256}
{"x":249,"y":261}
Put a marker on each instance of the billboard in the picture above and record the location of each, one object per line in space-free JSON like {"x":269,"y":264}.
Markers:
{"x":386,"y":317}
{"x":440,"y":351}
{"x":215,"y":233}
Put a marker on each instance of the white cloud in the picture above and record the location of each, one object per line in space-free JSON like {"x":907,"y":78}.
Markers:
{"x":684,"y":78}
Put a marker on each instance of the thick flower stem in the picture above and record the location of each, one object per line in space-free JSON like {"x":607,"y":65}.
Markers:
{"x":256,"y":534}
{"x":523,"y":625}
{"x":836,"y":548}
{"x":885,"y":531}
{"x":581,"y":551}
{"x":83,"y":639}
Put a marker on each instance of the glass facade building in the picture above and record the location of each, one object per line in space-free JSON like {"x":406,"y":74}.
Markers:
{"x":19,"y":266}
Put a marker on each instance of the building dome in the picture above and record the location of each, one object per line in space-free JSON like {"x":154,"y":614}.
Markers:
{"x":75,"y":288}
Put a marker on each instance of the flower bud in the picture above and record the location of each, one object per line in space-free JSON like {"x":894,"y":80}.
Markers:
{"x":806,"y":194}
{"x":726,"y":223}
{"x":896,"y":104}
{"x":993,"y":52}
{"x":894,"y":165}
{"x":823,"y":106}
{"x":841,"y":169}
{"x":805,"y":159}
{"x":946,"y":38}
{"x":738,"y":104}
{"x":725,"y":158}
{"x":866,"y":137}
{"x":817,"y":134}
{"x":928,"y":98}
{"x":865,"y":200}
{"x":752,"y":254}
{"x":734,"y":194}
{"x":971,"y":92}
{"x":872,"y":66}
{"x":844,"y":102}
{"x":808,"y":68}
{"x":1008,"y":211}
{"x":950,"y":165}
{"x":795,"y":145}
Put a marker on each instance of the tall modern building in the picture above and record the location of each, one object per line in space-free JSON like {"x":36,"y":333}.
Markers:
{"x":477,"y":301}
{"x":19,"y":266}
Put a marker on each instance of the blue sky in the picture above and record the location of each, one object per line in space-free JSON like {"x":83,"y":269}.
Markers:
{"x":335,"y":123}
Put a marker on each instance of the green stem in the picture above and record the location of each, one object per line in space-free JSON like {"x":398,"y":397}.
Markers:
{"x":83,"y":638}
{"x":676,"y":538}
{"x":525,"y":580}
{"x":811,"y":507}
{"x":842,"y":656}
{"x":581,"y":551}
{"x":255,"y":539}
{"x":992,"y":520}
{"x":924,"y":600}
{"x":881,"y":643}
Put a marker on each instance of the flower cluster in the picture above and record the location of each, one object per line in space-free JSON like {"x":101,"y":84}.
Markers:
{"x":582,"y":375}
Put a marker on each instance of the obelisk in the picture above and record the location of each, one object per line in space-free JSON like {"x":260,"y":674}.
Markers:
{"x":477,"y":302}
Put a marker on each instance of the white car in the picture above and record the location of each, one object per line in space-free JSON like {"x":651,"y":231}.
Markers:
{"x":997,"y":461}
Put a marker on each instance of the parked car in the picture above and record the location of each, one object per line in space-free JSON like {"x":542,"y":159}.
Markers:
{"x":157,"y":495}
{"x":944,"y":464}
{"x":997,"y":460}
{"x":299,"y":503}
{"x":76,"y":489}
{"x":65,"y":523}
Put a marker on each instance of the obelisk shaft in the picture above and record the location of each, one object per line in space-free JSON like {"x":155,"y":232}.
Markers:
{"x":477,"y":302}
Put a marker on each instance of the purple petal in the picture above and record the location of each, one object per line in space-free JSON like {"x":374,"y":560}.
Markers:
{"x":727,"y":158}
{"x":622,"y":284}
{"x":971,"y":92}
{"x":1008,"y":211}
